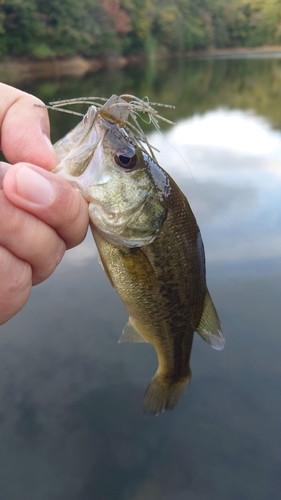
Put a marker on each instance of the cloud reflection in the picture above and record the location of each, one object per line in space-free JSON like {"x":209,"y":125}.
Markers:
{"x":237,"y":130}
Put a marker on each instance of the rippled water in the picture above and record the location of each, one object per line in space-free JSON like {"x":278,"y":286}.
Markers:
{"x":71,"y":422}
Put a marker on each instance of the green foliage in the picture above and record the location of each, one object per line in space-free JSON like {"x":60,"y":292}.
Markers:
{"x":42,"y":51}
{"x":139,"y":12}
{"x":98,"y":27}
{"x":43,"y":27}
{"x":20,"y":26}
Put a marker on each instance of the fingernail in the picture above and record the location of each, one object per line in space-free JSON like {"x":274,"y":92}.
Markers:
{"x":33,"y":187}
{"x":51,"y":149}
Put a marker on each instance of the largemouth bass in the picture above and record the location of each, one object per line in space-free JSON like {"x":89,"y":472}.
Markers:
{"x":148,"y":241}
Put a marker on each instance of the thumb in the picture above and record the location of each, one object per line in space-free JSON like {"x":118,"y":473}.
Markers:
{"x":25,"y":129}
{"x":50,"y":198}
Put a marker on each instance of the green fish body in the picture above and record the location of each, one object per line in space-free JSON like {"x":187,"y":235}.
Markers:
{"x":150,"y":248}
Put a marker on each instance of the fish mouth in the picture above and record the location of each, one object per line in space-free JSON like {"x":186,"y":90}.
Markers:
{"x":80,"y":179}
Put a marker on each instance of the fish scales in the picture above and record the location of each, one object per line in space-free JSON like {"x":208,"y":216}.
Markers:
{"x":150,"y":248}
{"x":174,"y":304}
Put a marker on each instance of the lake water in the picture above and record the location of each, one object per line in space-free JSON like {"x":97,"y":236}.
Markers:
{"x":71,"y":421}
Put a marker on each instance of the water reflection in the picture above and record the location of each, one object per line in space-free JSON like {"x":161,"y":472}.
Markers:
{"x":240,"y":131}
{"x":234,"y":159}
{"x":71,"y":423}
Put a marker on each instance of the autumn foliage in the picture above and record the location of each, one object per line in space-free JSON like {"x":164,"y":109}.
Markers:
{"x":43,"y":28}
{"x":120,"y":18}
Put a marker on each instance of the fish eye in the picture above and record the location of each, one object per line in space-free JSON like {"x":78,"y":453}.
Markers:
{"x":126,"y":159}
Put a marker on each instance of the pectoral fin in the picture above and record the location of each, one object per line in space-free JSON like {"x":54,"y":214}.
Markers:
{"x":138,"y":267}
{"x":210,"y":328}
{"x":131,"y":334}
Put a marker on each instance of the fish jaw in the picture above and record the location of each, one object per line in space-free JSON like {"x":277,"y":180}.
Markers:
{"x":73,"y":145}
{"x":128,"y":206}
{"x":77,"y":150}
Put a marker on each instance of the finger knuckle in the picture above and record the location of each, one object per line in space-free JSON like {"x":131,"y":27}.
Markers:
{"x":48,"y":261}
{"x":15,"y":284}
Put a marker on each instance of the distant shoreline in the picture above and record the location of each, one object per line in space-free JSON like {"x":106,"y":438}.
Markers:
{"x":239,"y":52}
{"x":23,"y":70}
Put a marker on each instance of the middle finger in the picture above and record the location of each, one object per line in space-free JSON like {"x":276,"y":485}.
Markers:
{"x":30,"y":239}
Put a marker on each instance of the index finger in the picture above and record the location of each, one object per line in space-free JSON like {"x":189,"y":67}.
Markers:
{"x":25,"y":129}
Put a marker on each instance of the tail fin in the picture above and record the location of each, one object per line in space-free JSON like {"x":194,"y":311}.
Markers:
{"x":162,"y":395}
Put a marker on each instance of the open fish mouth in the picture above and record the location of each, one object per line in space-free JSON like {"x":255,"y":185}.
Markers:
{"x":99,"y":155}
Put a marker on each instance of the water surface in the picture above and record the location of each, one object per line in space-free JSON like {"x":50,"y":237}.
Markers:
{"x":71,"y":422}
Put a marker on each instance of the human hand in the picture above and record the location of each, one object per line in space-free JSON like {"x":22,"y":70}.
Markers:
{"x":41,"y":214}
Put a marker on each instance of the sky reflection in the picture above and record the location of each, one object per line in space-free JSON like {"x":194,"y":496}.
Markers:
{"x":236,"y":130}
{"x":228,"y":163}
{"x":71,"y":417}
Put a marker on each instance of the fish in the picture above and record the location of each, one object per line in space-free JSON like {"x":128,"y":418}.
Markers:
{"x":148,"y":240}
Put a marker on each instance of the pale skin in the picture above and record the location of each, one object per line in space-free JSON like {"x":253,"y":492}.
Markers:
{"x":41,"y":214}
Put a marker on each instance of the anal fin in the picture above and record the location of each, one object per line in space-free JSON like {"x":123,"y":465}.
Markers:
{"x":210,"y":328}
{"x":131,"y":334}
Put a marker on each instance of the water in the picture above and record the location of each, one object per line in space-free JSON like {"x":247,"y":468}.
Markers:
{"x":71,"y":422}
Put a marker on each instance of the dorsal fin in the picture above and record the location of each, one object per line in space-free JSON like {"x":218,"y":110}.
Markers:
{"x":131,"y":334}
{"x":210,"y":328}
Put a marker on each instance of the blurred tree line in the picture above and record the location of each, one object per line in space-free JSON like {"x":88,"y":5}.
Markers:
{"x":43,"y":28}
